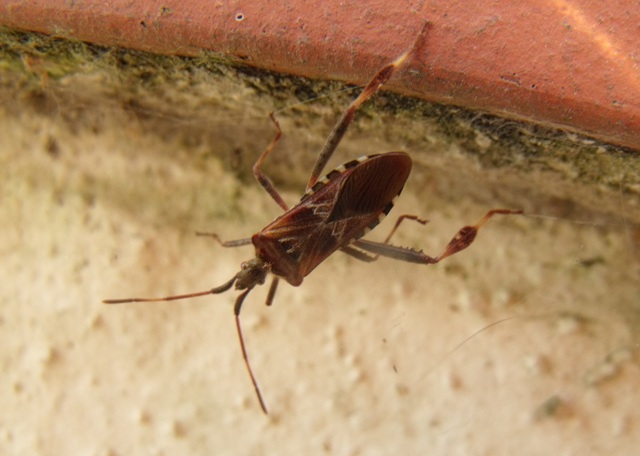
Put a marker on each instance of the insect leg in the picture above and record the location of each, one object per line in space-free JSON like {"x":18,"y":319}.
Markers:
{"x":363,"y":256}
{"x":260,"y":176}
{"x":460,"y":241}
{"x":391,"y":251}
{"x":399,"y":221}
{"x":467,"y":234}
{"x":262,"y":180}
{"x":272,"y":290}
{"x":359,"y":254}
{"x":345,"y":120}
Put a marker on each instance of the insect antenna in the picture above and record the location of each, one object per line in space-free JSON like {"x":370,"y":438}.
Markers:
{"x":236,"y":310}
{"x":221,"y":289}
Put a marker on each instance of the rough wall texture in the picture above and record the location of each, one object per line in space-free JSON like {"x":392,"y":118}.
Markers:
{"x":526,"y":343}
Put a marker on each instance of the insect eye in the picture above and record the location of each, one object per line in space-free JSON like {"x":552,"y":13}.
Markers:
{"x":244,"y":265}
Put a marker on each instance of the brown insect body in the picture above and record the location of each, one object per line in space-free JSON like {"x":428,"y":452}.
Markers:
{"x":333,"y":214}
{"x":338,"y":209}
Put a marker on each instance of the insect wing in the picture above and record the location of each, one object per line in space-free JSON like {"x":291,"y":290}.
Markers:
{"x":370,"y":189}
{"x":340,"y":208}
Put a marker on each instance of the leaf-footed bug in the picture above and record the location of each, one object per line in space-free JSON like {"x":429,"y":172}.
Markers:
{"x":334,"y":213}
